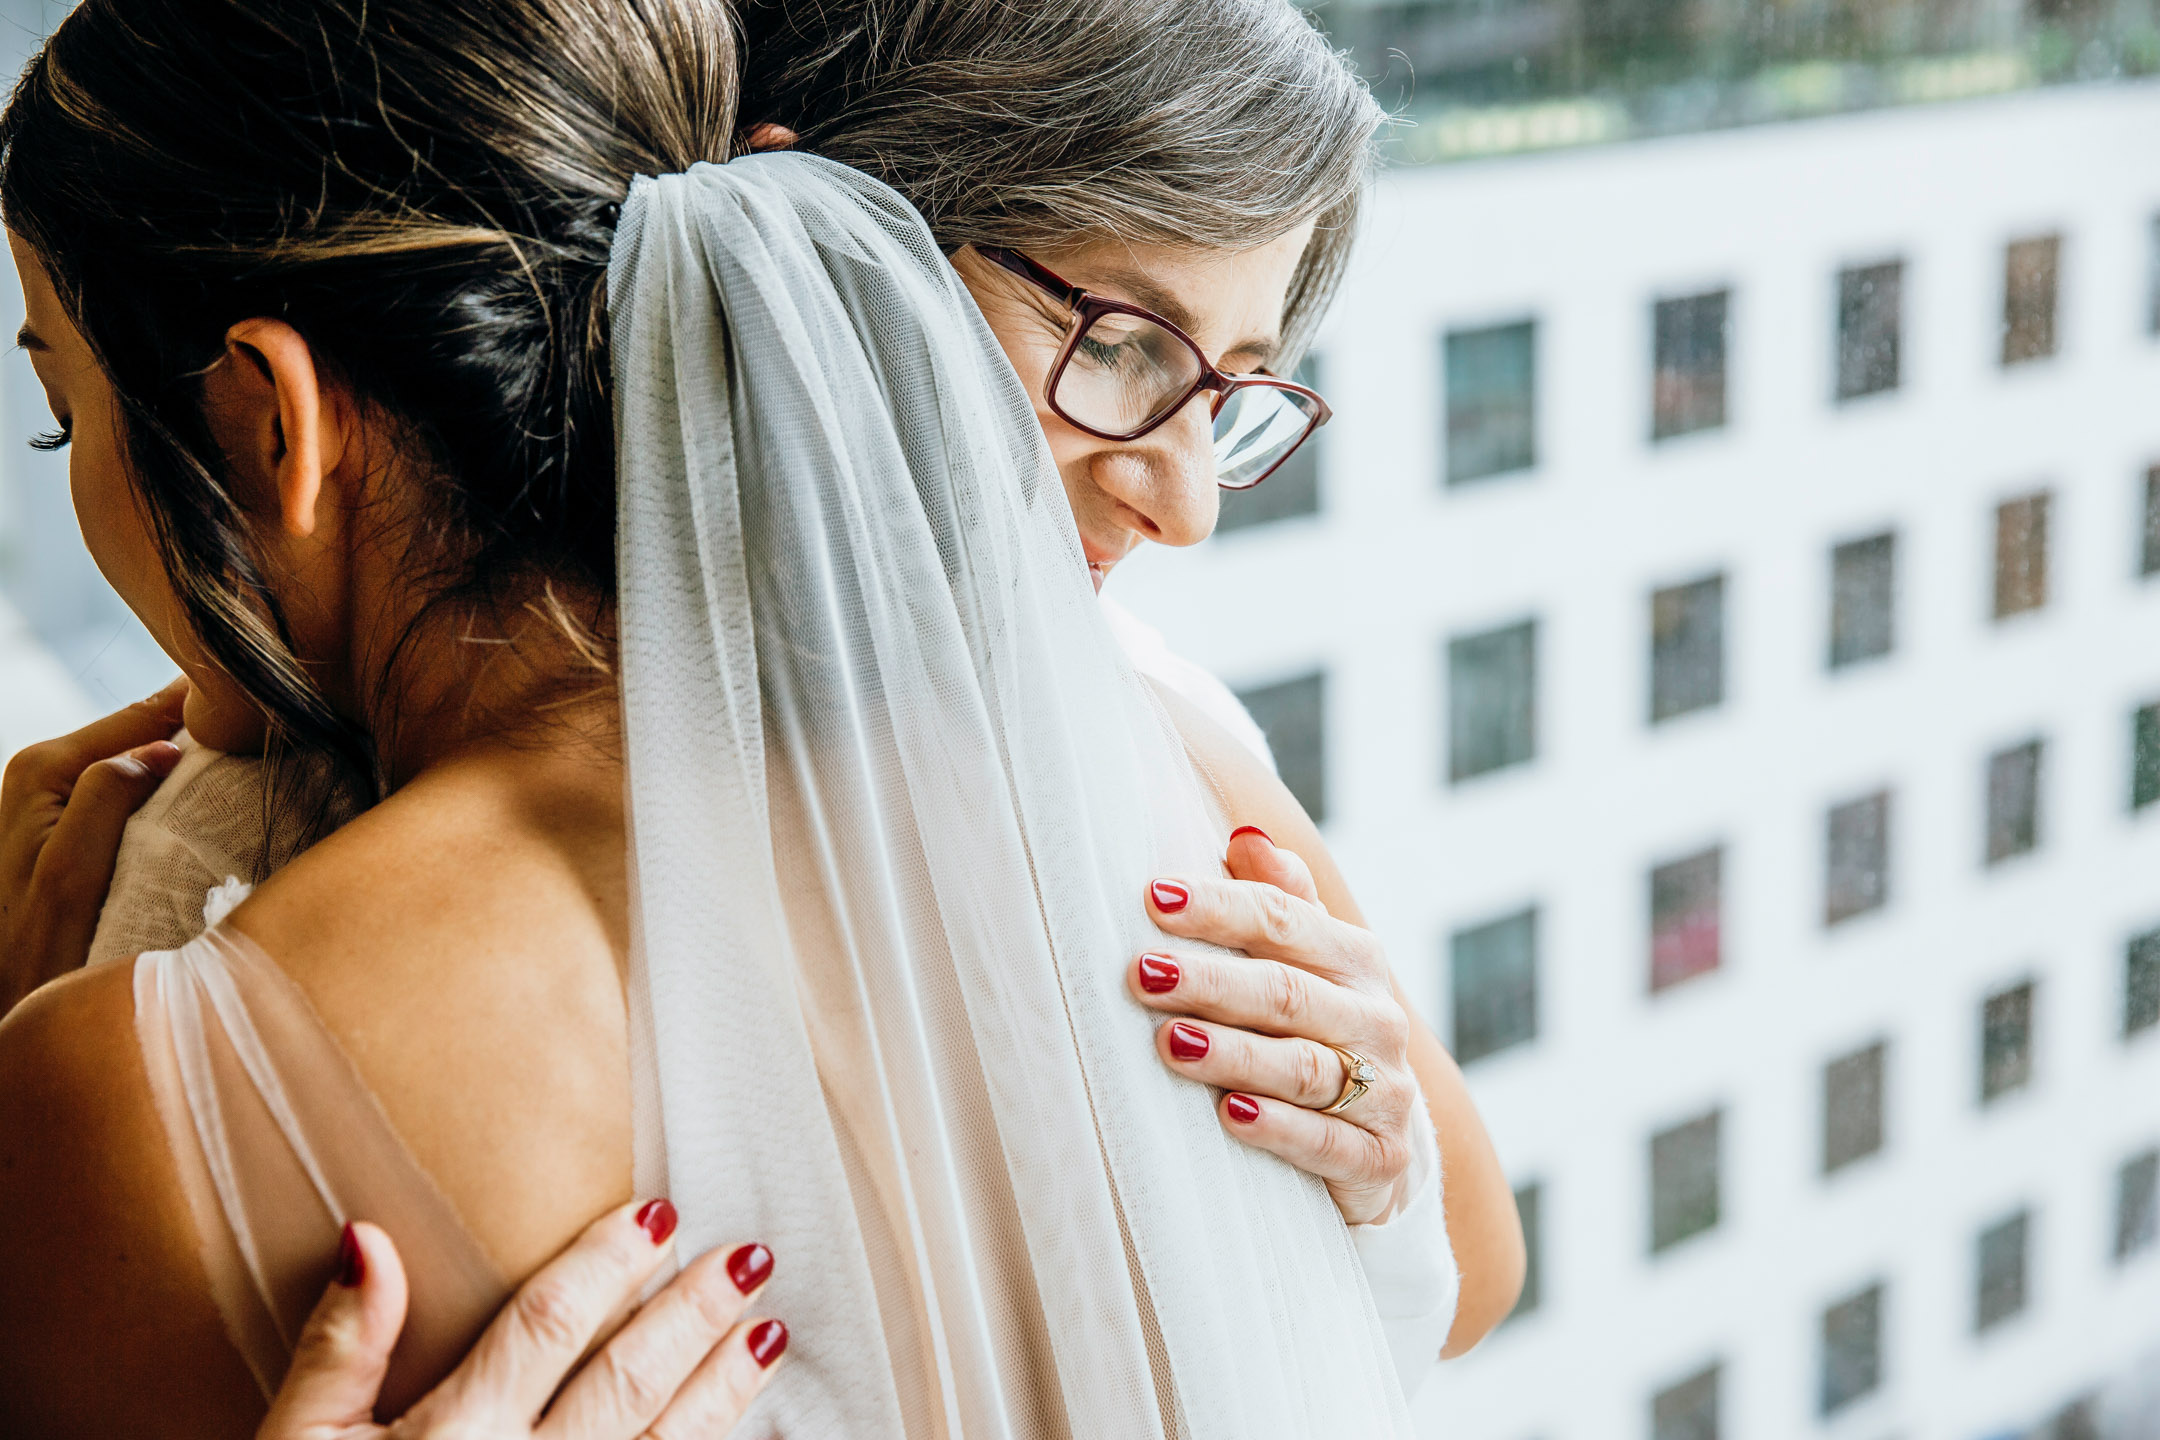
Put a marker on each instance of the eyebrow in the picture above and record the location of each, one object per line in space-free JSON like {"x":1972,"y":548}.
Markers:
{"x":1145,"y":291}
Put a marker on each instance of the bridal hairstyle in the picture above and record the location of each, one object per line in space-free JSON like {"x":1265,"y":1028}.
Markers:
{"x":427,"y":191}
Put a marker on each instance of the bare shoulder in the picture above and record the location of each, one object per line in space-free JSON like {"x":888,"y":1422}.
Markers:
{"x":463,"y":942}
{"x":106,"y":1326}
{"x":1253,"y":795}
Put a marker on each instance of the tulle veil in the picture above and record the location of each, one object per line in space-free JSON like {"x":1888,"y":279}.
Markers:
{"x":894,"y":797}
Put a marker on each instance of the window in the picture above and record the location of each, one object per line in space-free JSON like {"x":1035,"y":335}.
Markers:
{"x":1528,"y":1201}
{"x":2030,"y":281}
{"x":2021,"y":555}
{"x":2141,"y":984}
{"x":1493,"y":970}
{"x":1689,"y":388}
{"x":2013,"y":801}
{"x":1492,"y":700}
{"x":1686,"y":907}
{"x":2149,"y":552}
{"x":2152,"y":284}
{"x":2000,"y":1293}
{"x":1688,"y":1410}
{"x":2137,"y":1204}
{"x":1852,"y":1127}
{"x":1857,"y":868}
{"x":1684,"y":1181}
{"x":1870,"y":318}
{"x":1687,"y":648}
{"x":1851,"y":1349}
{"x":1293,"y":715}
{"x":2144,"y":755}
{"x":2006,"y":1042}
{"x":1863,"y":599}
{"x":1294,"y":488}
{"x":1491,"y":400}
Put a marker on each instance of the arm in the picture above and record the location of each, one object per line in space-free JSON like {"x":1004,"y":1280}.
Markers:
{"x":1482,"y":1222}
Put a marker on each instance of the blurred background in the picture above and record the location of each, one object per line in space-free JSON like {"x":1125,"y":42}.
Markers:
{"x":1718,"y":635}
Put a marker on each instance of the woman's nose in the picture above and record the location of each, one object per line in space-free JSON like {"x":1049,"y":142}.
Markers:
{"x":1168,"y":475}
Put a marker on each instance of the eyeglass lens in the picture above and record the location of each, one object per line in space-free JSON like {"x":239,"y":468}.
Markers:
{"x":1126,"y":371}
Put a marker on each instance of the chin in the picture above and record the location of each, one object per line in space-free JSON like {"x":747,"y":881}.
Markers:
{"x":223,"y":722}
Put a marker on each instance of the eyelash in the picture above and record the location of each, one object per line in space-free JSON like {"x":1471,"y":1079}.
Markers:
{"x":52,"y":439}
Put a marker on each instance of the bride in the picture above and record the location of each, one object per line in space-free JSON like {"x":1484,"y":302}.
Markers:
{"x":892,"y":796}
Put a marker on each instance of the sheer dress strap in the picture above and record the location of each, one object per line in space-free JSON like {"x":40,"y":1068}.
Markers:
{"x":278,"y":1142}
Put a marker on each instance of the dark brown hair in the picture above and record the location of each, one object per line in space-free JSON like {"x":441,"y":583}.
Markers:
{"x":427,"y":192}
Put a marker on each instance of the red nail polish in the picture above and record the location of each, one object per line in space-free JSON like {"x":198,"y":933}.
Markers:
{"x":657,"y":1217}
{"x":1241,"y":1109}
{"x":351,"y":1259}
{"x":749,"y":1267}
{"x":1250,"y":830}
{"x":767,"y":1341}
{"x":1158,"y":974}
{"x":1170,"y":897}
{"x":1187,"y":1043}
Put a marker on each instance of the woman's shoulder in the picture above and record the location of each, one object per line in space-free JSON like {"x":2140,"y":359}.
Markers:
{"x":105,"y":1325}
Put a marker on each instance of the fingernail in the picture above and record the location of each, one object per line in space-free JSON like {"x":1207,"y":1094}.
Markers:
{"x":352,"y":1261}
{"x":1170,"y":897}
{"x":1158,"y":974}
{"x":1250,"y":830}
{"x":1187,"y":1043}
{"x":749,"y":1267}
{"x":767,"y":1340}
{"x":658,"y":1219}
{"x":1241,"y":1109}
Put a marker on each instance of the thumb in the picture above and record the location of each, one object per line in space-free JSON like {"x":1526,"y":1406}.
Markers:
{"x":1252,"y":856}
{"x":338,"y":1363}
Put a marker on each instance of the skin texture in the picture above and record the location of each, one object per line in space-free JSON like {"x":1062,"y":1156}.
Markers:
{"x":464,"y":940}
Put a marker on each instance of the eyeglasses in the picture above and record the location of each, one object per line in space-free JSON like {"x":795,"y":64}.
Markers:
{"x":1123,"y":371}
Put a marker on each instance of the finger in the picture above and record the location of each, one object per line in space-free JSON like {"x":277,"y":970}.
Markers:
{"x":1262,"y":921}
{"x":1324,"y":1145}
{"x":1299,"y":1072}
{"x":1251,"y":855}
{"x":57,"y":763}
{"x":75,"y":868}
{"x":338,"y":1363}
{"x":1260,"y":995}
{"x":625,"y":1387}
{"x":529,"y":1348}
{"x":714,"y":1398}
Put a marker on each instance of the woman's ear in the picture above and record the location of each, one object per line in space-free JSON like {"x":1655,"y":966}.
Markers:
{"x":282,"y":434}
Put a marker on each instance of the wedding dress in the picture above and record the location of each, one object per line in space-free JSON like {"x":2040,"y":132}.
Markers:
{"x":894,"y":795}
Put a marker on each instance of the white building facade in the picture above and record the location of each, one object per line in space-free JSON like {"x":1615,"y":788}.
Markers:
{"x":1939,"y":845}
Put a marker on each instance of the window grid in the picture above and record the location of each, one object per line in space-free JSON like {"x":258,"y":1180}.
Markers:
{"x":1529,"y":1205}
{"x":2006,"y":1042}
{"x":1852,"y":1126}
{"x":1687,"y":648}
{"x":1493,"y":980}
{"x":1870,"y":324}
{"x":1857,"y":864}
{"x":1490,"y":378}
{"x":1684,"y":1188}
{"x":1852,"y":1363}
{"x":1492,"y":700}
{"x":2021,"y":554}
{"x":2141,"y":984}
{"x":2137,"y":1205}
{"x":1294,"y":488}
{"x":2000,"y":1265}
{"x":1863,"y":600}
{"x":2013,"y":801}
{"x":1293,"y":715}
{"x":2031,"y":284}
{"x":2144,"y":755}
{"x":2149,"y":550}
{"x":1686,"y":918}
{"x":1689,"y":370}
{"x":1688,"y":1409}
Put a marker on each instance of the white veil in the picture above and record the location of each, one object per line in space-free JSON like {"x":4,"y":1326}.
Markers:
{"x":895,"y":796}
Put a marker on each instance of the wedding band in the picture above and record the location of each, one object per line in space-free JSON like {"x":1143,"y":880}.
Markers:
{"x":1358,"y":1077}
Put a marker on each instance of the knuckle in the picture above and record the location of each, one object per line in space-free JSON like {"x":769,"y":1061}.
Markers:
{"x":32,"y":766}
{"x":631,"y":1378}
{"x":548,"y":1312}
{"x":1391,"y":1026}
{"x":1285,"y":999}
{"x":1313,"y":1077}
{"x":1278,"y":918}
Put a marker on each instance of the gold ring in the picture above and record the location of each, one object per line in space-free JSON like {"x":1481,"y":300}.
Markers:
{"x":1358,"y":1077}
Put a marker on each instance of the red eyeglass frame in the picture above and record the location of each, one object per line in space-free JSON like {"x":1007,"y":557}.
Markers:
{"x":1087,"y":307}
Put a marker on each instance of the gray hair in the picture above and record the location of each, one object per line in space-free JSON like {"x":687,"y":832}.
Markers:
{"x":1218,"y":124}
